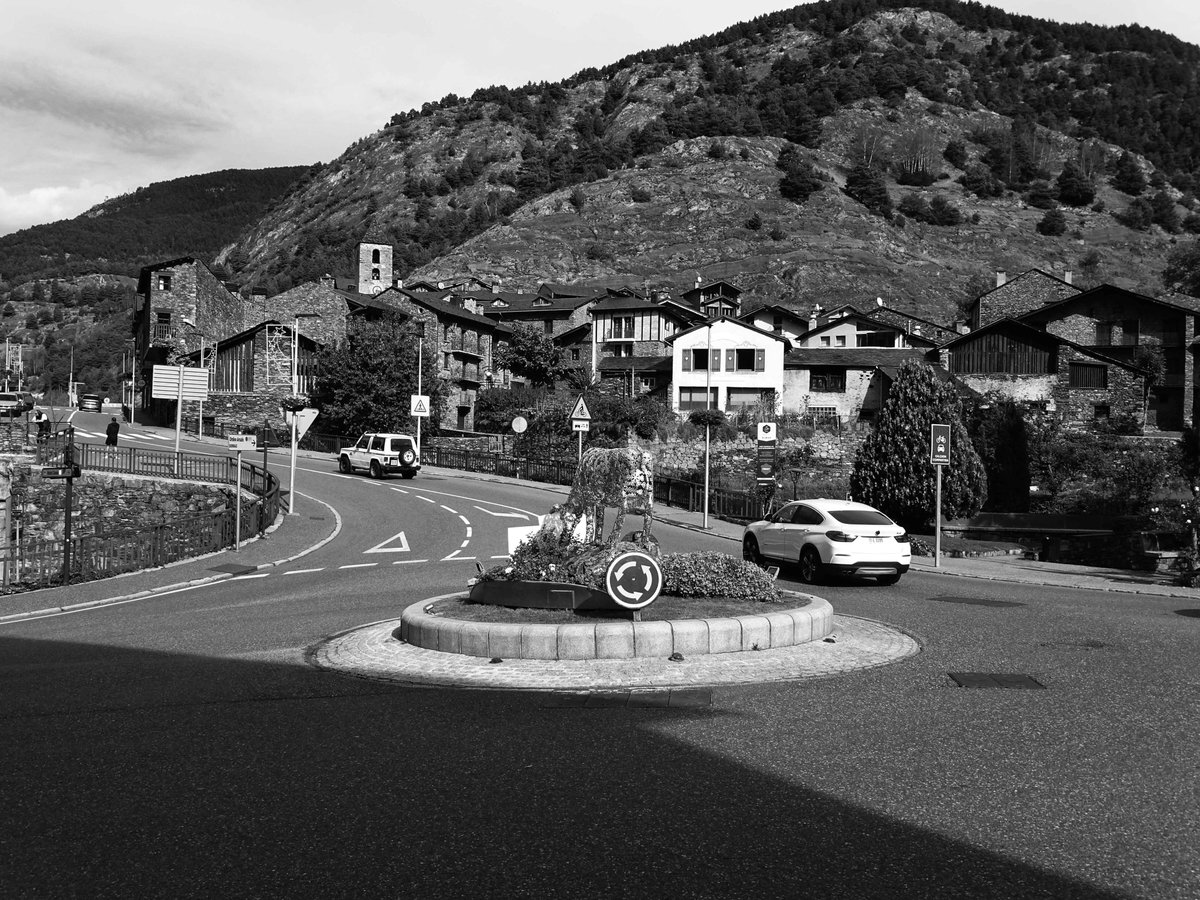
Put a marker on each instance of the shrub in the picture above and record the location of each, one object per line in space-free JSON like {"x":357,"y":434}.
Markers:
{"x":708,"y":574}
{"x":955,"y":154}
{"x":639,"y":194}
{"x":1053,"y":223}
{"x":755,"y":222}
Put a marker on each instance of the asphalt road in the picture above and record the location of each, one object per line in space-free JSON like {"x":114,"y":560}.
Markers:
{"x":184,"y":747}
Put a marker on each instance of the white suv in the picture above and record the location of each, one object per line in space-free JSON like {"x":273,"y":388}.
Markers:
{"x":828,"y":537}
{"x":380,"y":455}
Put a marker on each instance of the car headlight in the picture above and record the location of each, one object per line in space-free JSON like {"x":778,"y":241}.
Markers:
{"x":841,"y":536}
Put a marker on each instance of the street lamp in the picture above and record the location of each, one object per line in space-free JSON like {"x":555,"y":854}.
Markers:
{"x":707,"y":424}
{"x":295,"y":392}
{"x":417,"y":330}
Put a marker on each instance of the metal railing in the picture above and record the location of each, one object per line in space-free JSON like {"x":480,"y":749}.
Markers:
{"x":43,"y":563}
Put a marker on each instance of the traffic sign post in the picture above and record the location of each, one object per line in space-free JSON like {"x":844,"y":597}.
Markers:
{"x":239,"y":442}
{"x":581,"y":421}
{"x":939,"y":455}
{"x":765,"y":464}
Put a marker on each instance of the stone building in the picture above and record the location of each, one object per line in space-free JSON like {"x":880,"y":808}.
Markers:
{"x":374,"y":267}
{"x":1013,"y":298}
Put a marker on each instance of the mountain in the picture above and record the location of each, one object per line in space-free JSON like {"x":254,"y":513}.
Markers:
{"x":665,"y":166}
{"x":194,"y":215}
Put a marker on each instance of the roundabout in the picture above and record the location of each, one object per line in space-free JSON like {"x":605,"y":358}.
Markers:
{"x":377,"y":652}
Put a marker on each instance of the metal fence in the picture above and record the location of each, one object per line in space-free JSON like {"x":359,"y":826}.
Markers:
{"x":42,"y":563}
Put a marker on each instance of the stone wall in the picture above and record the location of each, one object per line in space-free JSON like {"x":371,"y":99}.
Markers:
{"x":832,"y":453}
{"x":105,"y":502}
{"x":1025,"y":293}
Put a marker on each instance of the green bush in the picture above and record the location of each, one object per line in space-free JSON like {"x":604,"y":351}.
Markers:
{"x":711,"y":574}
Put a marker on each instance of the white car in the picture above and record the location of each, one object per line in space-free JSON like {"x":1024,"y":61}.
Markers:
{"x":826,"y":537}
{"x":381,"y":455}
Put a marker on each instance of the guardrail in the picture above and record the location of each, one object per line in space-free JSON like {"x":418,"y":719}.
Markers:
{"x":43,"y":563}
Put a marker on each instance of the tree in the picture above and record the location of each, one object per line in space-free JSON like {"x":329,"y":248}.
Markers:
{"x":800,"y":180}
{"x":955,"y":154}
{"x":1138,"y":215}
{"x":892,"y":470}
{"x":1073,"y":187}
{"x":1128,"y":177}
{"x":1164,"y":214}
{"x":1053,"y":223}
{"x":365,"y":384}
{"x":997,"y":428}
{"x":531,"y":354}
{"x":865,"y":184}
{"x":1182,"y":272}
{"x":943,"y":212}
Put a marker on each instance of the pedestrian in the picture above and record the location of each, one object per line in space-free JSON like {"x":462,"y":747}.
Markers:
{"x":43,"y":423}
{"x":113,"y":429}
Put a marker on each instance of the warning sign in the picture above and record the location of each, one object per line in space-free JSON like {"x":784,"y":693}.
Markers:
{"x":580,"y":411}
{"x":419,"y":405}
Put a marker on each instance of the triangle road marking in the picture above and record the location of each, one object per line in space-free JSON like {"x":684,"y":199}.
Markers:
{"x":382,"y":546}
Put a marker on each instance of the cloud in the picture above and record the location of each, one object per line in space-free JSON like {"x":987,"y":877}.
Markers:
{"x":48,"y":204}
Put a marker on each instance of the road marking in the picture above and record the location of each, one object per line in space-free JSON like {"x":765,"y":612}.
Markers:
{"x":449,"y":510}
{"x":468,"y":531}
{"x":515,"y":515}
{"x":382,"y":546}
{"x":505,"y":556}
{"x":463,"y":545}
{"x":358,"y":566}
{"x":426,"y":499}
{"x":244,"y":577}
{"x":408,"y":562}
{"x":463,"y":519}
{"x":454,"y":557}
{"x":304,"y":571}
{"x":400,"y":490}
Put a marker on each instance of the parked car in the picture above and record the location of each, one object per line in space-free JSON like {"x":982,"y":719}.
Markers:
{"x":380,"y":455}
{"x":90,"y":403}
{"x":826,"y":537}
{"x":11,"y":405}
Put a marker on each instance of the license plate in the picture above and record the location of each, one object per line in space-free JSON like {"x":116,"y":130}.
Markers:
{"x":877,"y":540}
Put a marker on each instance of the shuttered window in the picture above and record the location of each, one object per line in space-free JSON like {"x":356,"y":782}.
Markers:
{"x":1088,"y":376}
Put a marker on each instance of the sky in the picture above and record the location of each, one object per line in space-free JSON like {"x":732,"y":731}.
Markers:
{"x":100,"y":98}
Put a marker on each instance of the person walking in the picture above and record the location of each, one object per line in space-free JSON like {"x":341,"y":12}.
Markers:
{"x":113,"y":429}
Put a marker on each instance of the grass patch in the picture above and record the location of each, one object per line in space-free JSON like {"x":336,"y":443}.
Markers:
{"x":662,"y":609}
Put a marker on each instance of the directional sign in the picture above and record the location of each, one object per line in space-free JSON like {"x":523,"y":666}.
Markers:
{"x":634,"y":580}
{"x":419,"y":405}
{"x":581,"y":425}
{"x":60,"y":472}
{"x":580,"y":411}
{"x":179,"y":383}
{"x":240,"y":442}
{"x":939,"y":445}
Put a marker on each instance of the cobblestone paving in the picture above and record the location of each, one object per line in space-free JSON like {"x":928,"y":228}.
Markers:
{"x":372,"y":652}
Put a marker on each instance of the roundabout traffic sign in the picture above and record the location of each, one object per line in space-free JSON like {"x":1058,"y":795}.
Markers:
{"x":634,"y":580}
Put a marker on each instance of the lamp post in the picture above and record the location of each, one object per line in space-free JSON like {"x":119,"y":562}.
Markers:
{"x":707,"y":425}
{"x":295,"y":392}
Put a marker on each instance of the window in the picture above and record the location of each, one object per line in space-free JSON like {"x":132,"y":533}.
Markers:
{"x":1129,"y":332}
{"x":575,"y":354}
{"x":740,"y":398}
{"x":164,"y":282}
{"x":374,"y":274}
{"x":548,"y":327}
{"x":806,"y":515}
{"x":694,"y":398}
{"x":777,"y":324}
{"x":824,"y":379}
{"x":618,"y":350}
{"x":1104,"y":334}
{"x":841,"y":340}
{"x":825,"y":341}
{"x":622,"y":328}
{"x":1088,"y":376}
{"x":875,"y":339}
{"x":697,"y":360}
{"x":375,"y":257}
{"x":823,"y":413}
{"x":645,"y":383}
{"x":1101,"y":411}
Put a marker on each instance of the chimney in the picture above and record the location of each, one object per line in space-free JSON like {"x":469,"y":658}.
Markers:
{"x":327,"y":280}
{"x":699,"y":280}
{"x":879,"y":301}
{"x":1067,"y":277}
{"x":1000,"y":279}
{"x":470,"y":305}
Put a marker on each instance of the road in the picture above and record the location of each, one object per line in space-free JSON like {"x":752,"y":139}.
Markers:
{"x":183,"y":746}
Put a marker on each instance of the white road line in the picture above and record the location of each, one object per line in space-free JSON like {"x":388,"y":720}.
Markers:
{"x":462,"y":518}
{"x":408,"y":562}
{"x":505,"y":556}
{"x":499,"y":515}
{"x":304,"y":571}
{"x":426,"y":499}
{"x":449,"y":510}
{"x":463,"y":545}
{"x":454,"y":557}
{"x":468,"y":531}
{"x":245,"y":577}
{"x":358,"y":566}
{"x":400,"y":490}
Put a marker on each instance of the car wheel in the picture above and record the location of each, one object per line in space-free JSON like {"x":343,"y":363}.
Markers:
{"x":376,"y":472}
{"x":889,"y":579}
{"x":750,"y":550}
{"x":810,"y":566}
{"x":344,"y":465}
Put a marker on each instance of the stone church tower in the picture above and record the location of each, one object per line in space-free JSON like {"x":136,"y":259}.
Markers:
{"x":374,"y":267}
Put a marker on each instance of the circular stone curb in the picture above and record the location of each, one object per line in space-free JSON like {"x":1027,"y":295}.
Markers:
{"x":373,"y":652}
{"x":616,"y":640}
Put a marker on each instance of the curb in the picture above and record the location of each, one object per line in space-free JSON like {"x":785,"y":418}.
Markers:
{"x":195,"y":582}
{"x":616,"y":639}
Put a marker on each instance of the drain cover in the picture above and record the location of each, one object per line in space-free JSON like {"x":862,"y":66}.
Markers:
{"x":995,"y":680}
{"x":690,"y":698}
{"x":232,"y":569}
{"x":976,"y":601}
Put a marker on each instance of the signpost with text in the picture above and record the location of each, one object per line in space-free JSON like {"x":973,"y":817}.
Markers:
{"x":939,"y":455}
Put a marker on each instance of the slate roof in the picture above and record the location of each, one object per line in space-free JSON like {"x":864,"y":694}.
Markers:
{"x":1179,"y":302}
{"x":851,"y":357}
{"x":1036,"y":335}
{"x":637,"y":363}
{"x":859,"y":317}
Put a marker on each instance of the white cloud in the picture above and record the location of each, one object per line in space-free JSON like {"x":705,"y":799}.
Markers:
{"x":48,"y":204}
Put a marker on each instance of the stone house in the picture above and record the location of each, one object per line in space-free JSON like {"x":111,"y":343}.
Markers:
{"x":1013,"y":298}
{"x":1024,"y":362}
{"x":842,"y":384}
{"x":1123,"y":325}
{"x":551,"y":315}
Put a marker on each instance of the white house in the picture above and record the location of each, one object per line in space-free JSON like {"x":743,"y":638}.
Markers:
{"x":727,"y":364}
